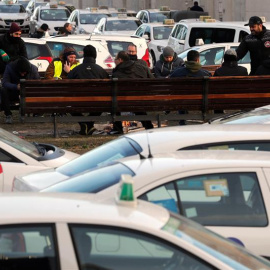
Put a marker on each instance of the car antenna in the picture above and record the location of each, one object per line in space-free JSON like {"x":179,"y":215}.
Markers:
{"x":149,"y":149}
{"x":136,"y":150}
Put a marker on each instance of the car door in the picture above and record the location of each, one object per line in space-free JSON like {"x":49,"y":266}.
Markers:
{"x":177,"y":38}
{"x":233,"y":202}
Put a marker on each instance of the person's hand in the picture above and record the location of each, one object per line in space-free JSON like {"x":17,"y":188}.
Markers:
{"x":19,"y":87}
{"x":67,"y":67}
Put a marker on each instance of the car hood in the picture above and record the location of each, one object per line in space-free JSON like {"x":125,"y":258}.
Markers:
{"x":17,"y":16}
{"x":38,"y":180}
{"x":117,"y":33}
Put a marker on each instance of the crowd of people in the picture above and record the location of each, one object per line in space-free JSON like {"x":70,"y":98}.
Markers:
{"x":14,"y":65}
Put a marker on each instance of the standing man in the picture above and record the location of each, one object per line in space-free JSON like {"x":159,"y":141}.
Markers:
{"x":167,"y":63}
{"x":11,"y":46}
{"x":257,"y":43}
{"x":60,"y":67}
{"x":88,"y":70}
{"x":126,"y":68}
{"x":196,"y":7}
{"x":16,"y":70}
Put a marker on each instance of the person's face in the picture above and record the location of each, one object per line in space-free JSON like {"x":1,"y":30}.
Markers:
{"x":117,"y":61}
{"x":16,"y":34}
{"x":255,"y":29}
{"x":168,"y":58}
{"x":131,"y":50}
{"x":71,"y":59}
{"x":69,"y":27}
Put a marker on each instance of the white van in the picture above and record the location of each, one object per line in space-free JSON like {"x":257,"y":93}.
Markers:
{"x":185,"y":33}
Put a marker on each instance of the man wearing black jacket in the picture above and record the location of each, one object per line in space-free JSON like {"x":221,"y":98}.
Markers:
{"x":257,"y":43}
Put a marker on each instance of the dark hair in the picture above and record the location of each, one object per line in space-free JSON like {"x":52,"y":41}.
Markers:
{"x":66,"y":25}
{"x":132,"y":44}
{"x":193,"y":55}
{"x":123,"y":55}
{"x":196,"y":3}
{"x":90,"y":51}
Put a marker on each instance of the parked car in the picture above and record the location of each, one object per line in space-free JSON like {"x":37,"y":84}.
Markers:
{"x":226,"y":191}
{"x":156,"y":34}
{"x":146,"y":143}
{"x":66,"y":231}
{"x":53,"y":15}
{"x":13,"y":13}
{"x":33,"y":4}
{"x":39,"y":53}
{"x":260,"y":115}
{"x":20,"y":156}
{"x":121,"y":25}
{"x":154,"y":15}
{"x":213,"y":54}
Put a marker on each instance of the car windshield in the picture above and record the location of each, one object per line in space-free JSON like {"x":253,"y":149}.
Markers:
{"x":231,"y":254}
{"x":54,"y":14}
{"x":162,"y":32}
{"x":183,"y":54}
{"x":12,"y":9}
{"x":19,"y":144}
{"x":92,"y":181}
{"x":261,"y":116}
{"x":91,"y":18}
{"x":24,"y":3}
{"x":116,"y":149}
{"x":122,"y":25}
{"x":158,"y":16}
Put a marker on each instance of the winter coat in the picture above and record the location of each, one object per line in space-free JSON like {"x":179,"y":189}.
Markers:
{"x":88,"y":70}
{"x":264,"y":68}
{"x":131,"y":69}
{"x":38,"y":34}
{"x":231,"y":68}
{"x":192,"y":69}
{"x":258,"y":46}
{"x":11,"y":77}
{"x":164,"y":68}
{"x":14,"y":47}
{"x":49,"y":74}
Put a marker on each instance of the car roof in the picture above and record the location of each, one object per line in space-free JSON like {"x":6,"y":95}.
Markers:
{"x":48,"y":7}
{"x":157,"y":24}
{"x":88,"y":11}
{"x":120,"y":18}
{"x":214,"y":24}
{"x":34,"y":40}
{"x":77,"y":208}
{"x":150,"y":10}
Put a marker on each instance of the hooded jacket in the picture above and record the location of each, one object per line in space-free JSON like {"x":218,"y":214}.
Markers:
{"x":258,"y":46}
{"x":131,"y":69}
{"x":231,"y":68}
{"x":11,"y":77}
{"x":14,"y":47}
{"x":88,"y":70}
{"x":164,"y":68}
{"x":191,"y":69}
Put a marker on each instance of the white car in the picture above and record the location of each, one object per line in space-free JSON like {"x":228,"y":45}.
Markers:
{"x":213,"y":54}
{"x":58,"y":44}
{"x":10,"y":13}
{"x":20,"y":156}
{"x":154,"y":15}
{"x":74,"y":231}
{"x":54,"y":15}
{"x":85,"y":20}
{"x":146,"y":143}
{"x":156,"y":34}
{"x":121,"y":25}
{"x":226,"y":191}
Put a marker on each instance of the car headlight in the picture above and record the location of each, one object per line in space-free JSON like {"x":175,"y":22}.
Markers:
{"x":160,"y":48}
{"x":27,"y":19}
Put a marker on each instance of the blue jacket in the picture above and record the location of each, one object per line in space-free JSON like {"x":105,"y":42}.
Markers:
{"x":11,"y":77}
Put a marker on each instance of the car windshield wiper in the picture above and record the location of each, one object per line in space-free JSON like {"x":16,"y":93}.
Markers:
{"x":227,"y":116}
{"x":41,"y":149}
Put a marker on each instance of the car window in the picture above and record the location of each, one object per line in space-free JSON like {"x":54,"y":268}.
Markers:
{"x":58,"y":47}
{"x":92,"y":181}
{"x":242,"y":34}
{"x":245,"y":59}
{"x":28,"y":247}
{"x":161,"y":32}
{"x":54,"y":14}
{"x":211,"y":35}
{"x":119,"y":248}
{"x":12,"y":9}
{"x":91,"y":18}
{"x":33,"y":50}
{"x":122,"y":25}
{"x":115,"y":47}
{"x":213,"y":56}
{"x":158,"y":16}
{"x":116,"y":149}
{"x":221,"y":199}
{"x":140,"y":31}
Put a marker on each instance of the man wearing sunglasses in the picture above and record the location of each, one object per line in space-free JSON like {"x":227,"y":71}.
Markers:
{"x":11,"y":46}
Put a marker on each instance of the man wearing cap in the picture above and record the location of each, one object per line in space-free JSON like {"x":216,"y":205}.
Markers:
{"x":21,"y":68}
{"x":257,"y":43}
{"x":41,"y":32}
{"x":167,"y":63}
{"x":60,"y":67}
{"x":11,"y":46}
{"x":230,"y":66}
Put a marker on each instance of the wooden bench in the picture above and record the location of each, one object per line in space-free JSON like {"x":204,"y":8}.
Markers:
{"x":141,"y":95}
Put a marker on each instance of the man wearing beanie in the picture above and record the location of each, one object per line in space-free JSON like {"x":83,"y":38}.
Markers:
{"x":230,"y":66}
{"x":167,"y":63}
{"x":11,"y":46}
{"x":88,"y":70}
{"x":60,"y":67}
{"x":16,"y":70}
